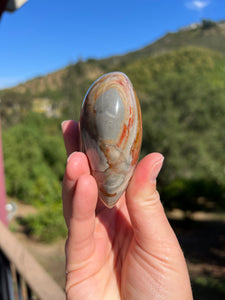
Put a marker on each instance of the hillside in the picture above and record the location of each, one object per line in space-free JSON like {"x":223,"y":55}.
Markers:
{"x":208,"y":35}
{"x":180,"y":82}
{"x":183,"y":105}
{"x":60,"y":93}
{"x":181,"y":92}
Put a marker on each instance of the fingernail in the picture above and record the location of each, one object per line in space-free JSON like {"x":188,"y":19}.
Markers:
{"x":69,"y":157}
{"x":155,"y":170}
{"x":63,"y":124}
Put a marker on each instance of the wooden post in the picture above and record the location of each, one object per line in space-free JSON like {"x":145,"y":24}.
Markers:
{"x":3,"y":213}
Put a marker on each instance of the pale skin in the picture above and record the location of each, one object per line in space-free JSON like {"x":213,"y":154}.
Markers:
{"x":129,"y":252}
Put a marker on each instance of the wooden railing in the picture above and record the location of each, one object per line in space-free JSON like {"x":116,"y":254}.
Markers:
{"x":21,"y":276}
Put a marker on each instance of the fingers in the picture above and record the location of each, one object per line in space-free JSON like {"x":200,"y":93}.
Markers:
{"x":82,"y":221}
{"x":71,"y":136}
{"x":149,"y":221}
{"x":77,"y":165}
{"x":79,"y":194}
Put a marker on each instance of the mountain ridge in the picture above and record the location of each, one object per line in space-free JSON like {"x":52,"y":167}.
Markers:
{"x":181,"y":89}
{"x":207,"y":34}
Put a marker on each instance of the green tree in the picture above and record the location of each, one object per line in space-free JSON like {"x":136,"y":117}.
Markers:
{"x":183,"y":110}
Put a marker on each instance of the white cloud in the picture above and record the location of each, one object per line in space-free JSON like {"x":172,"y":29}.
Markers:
{"x":197,"y":4}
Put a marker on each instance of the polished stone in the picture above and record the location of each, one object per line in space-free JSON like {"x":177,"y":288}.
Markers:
{"x":111,"y":133}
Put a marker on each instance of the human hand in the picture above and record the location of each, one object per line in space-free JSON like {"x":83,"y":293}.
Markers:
{"x":127,"y":252}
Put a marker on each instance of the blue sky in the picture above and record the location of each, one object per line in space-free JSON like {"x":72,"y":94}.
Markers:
{"x":46,"y":35}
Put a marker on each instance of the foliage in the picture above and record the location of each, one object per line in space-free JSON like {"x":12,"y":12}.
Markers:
{"x":193,"y":195}
{"x":74,"y":89}
{"x":208,"y":287}
{"x":56,"y":95}
{"x":34,"y":165}
{"x":34,"y":160}
{"x":48,"y":224}
{"x":206,"y":24}
{"x":13,"y":107}
{"x":182,"y":95}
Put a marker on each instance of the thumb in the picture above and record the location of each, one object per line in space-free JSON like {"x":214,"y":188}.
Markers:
{"x":155,"y":243}
{"x":150,"y":224}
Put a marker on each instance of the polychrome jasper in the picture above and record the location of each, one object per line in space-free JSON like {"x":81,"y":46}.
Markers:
{"x":111,"y":133}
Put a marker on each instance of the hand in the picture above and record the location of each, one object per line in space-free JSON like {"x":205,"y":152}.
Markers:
{"x":127,"y":252}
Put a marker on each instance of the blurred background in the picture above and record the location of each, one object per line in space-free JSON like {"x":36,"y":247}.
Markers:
{"x":174,"y":54}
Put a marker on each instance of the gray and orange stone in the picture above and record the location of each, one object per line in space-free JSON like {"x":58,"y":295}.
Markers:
{"x":111,"y":133}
